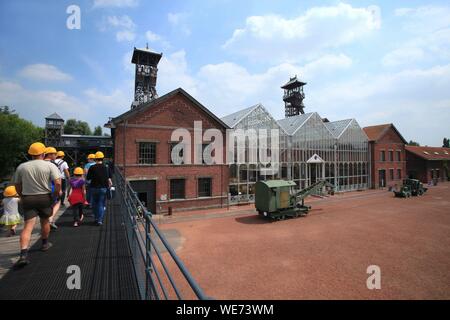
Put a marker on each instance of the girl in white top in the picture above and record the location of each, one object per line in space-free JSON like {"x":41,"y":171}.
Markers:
{"x":11,"y":216}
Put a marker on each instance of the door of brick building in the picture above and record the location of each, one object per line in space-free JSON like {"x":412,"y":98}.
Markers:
{"x":381,"y":178}
{"x":146,"y":192}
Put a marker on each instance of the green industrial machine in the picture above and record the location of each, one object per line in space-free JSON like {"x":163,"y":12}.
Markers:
{"x":277,"y":199}
{"x":404,"y":192}
{"x":411,"y":187}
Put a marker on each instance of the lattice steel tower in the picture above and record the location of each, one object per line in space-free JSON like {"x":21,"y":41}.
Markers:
{"x":146,"y":73}
{"x":54,"y":128}
{"x":293,"y":97}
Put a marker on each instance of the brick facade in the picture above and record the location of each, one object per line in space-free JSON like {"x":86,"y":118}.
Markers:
{"x":386,"y":142}
{"x":154,"y":124}
{"x":429,"y":166}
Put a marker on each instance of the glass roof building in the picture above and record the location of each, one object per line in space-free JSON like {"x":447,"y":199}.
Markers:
{"x":311,"y":149}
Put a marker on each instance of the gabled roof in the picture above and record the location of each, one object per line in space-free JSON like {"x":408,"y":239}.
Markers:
{"x":145,"y":106}
{"x":292,"y":124}
{"x":377,"y":132}
{"x":292,"y":83}
{"x":430,"y":153}
{"x":54,"y":116}
{"x":233,"y":119}
{"x":338,"y":127}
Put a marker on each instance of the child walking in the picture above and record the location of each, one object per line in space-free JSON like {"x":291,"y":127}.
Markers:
{"x":11,"y":216}
{"x":77,"y":195}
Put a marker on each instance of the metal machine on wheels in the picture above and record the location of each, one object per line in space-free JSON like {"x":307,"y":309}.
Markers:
{"x":410,"y":187}
{"x":276,"y":199}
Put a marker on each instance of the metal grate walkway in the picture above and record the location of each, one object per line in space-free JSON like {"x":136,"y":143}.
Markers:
{"x":102,"y":253}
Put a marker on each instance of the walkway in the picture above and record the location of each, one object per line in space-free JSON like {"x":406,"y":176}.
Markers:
{"x":101,"y":253}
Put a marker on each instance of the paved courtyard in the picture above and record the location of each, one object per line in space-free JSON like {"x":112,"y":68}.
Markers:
{"x":238,"y":255}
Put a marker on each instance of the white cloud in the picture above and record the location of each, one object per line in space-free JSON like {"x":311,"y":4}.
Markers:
{"x":178,"y":21}
{"x":123,"y":24}
{"x":318,"y":28}
{"x":429,"y":31}
{"x":173,"y":73}
{"x":403,"y":56}
{"x":425,"y":18}
{"x":34,"y":105}
{"x":116,"y":102}
{"x":44,"y":72}
{"x":416,"y":100}
{"x":125,"y":35}
{"x":157,"y":39}
{"x":115,"y":3}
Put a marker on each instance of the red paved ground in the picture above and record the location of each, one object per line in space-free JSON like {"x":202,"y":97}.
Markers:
{"x":325,"y":255}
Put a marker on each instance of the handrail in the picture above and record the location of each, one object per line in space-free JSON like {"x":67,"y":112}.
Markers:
{"x":142,"y":235}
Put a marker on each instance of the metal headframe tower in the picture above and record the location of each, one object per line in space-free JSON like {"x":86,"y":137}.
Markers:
{"x":54,"y":129}
{"x":146,"y":63}
{"x":293,"y":97}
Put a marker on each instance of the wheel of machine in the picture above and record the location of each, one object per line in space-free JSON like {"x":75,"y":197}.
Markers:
{"x":420,"y":192}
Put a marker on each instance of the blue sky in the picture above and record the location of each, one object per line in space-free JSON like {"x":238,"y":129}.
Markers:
{"x":376,"y":61}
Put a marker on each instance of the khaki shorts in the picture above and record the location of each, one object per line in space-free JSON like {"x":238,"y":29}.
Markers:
{"x":37,"y":205}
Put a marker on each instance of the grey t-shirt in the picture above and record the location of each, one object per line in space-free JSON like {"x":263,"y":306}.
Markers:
{"x":36,"y":176}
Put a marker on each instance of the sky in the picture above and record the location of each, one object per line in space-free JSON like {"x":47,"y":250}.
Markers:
{"x":375,"y":61}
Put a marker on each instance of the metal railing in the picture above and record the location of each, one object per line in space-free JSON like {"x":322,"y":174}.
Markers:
{"x":159,"y":271}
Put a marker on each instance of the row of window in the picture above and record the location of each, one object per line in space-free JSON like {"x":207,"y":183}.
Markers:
{"x":147,"y":152}
{"x":391,"y":155}
{"x":178,"y":188}
{"x":392,"y":176}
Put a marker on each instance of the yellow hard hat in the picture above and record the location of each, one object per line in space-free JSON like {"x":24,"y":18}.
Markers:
{"x":99,"y":155}
{"x":91,"y":156}
{"x":36,"y":149}
{"x":60,"y":154}
{"x":10,"y":191}
{"x":49,"y":150}
{"x":78,"y":171}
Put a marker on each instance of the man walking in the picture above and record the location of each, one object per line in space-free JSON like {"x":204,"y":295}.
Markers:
{"x":100,"y":177}
{"x":33,"y":183}
{"x":65,"y":175}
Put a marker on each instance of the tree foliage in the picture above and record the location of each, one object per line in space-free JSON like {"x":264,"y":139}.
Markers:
{"x":446,"y":143}
{"x":98,"y":131}
{"x":73,"y":126}
{"x":413,"y":143}
{"x":17,"y":135}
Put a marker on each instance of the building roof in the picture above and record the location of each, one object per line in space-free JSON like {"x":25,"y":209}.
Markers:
{"x":145,"y":56}
{"x":292,"y":124}
{"x":54,"y":116}
{"x":144,"y":106}
{"x":430,"y":153}
{"x":374,"y":133}
{"x":292,"y":83}
{"x":338,"y":127}
{"x":233,"y":119}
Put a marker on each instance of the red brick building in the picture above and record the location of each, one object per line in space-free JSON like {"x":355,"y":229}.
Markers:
{"x":427,"y":163}
{"x":142,"y":148}
{"x":388,"y":157}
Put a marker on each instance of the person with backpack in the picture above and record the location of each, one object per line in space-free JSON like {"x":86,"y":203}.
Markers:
{"x":65,"y":175}
{"x":50,"y":155}
{"x":99,"y":176}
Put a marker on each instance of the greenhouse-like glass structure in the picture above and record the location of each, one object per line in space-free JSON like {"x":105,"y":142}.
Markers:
{"x":311,"y":149}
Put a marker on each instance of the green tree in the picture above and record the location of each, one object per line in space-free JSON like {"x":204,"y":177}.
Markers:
{"x":413,"y":143}
{"x":98,"y":131}
{"x":74,"y":126}
{"x":446,"y":143}
{"x":17,"y":135}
